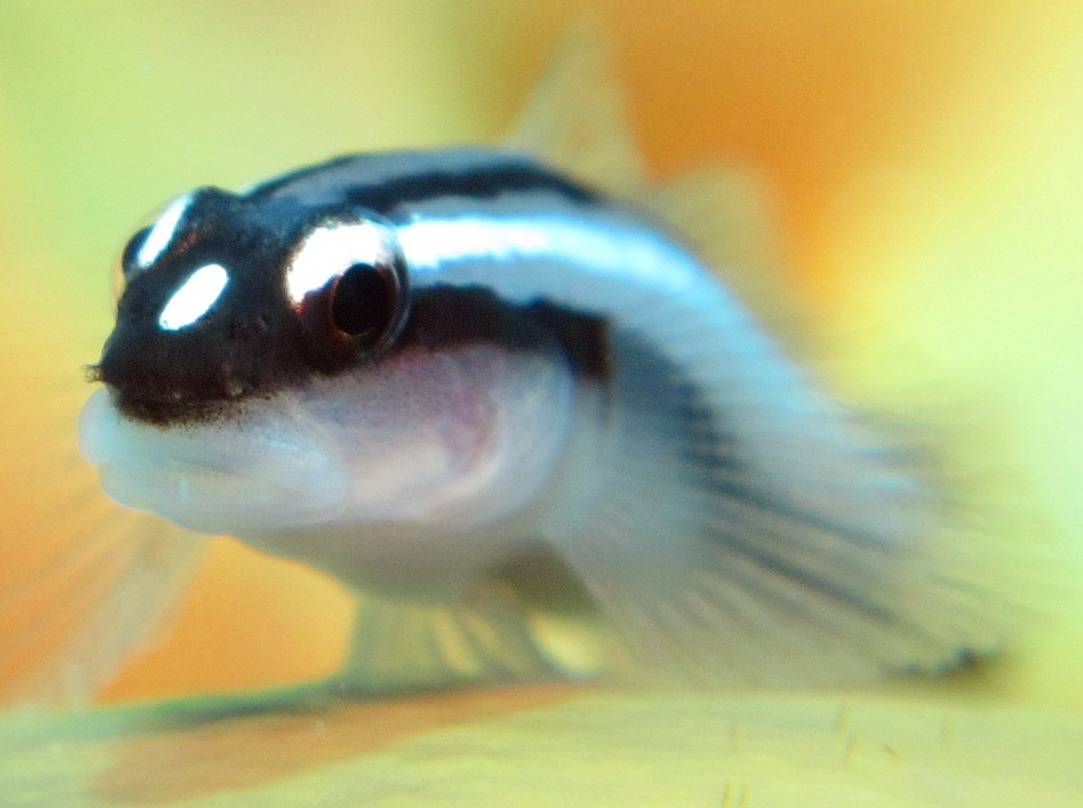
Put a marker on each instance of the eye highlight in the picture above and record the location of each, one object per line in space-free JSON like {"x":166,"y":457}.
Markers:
{"x":347,"y":282}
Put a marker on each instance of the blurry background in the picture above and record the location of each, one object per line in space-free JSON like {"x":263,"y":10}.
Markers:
{"x":922,"y":159}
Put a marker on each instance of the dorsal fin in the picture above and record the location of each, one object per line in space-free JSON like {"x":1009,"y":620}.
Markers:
{"x":576,"y":121}
{"x":726,"y":215}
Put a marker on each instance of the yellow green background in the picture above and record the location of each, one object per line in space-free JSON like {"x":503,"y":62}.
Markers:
{"x":923,"y":160}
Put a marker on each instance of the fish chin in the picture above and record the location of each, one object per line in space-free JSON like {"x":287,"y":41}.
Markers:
{"x":458,"y":441}
{"x":259,"y":469}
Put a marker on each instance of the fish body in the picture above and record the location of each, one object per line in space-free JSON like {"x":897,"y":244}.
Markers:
{"x":499,"y":394}
{"x":479,"y":392}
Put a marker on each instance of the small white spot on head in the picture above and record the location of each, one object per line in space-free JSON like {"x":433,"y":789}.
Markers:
{"x":194,"y":298}
{"x":162,"y":233}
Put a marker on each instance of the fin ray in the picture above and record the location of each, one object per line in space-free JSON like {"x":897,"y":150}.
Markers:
{"x":84,"y":582}
{"x":403,"y":645}
{"x":576,"y":121}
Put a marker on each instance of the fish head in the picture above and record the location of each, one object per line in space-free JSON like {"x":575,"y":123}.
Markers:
{"x":271,"y":368}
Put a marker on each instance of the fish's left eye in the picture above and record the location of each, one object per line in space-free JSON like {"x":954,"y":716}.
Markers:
{"x":118,"y":279}
{"x":347,"y":282}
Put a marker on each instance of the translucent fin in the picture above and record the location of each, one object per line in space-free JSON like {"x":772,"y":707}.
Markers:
{"x":407,"y":645}
{"x":576,"y":121}
{"x":83,"y":582}
{"x":724,"y":213}
{"x":840,"y":567}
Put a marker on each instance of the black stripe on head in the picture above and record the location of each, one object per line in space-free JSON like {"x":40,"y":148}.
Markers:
{"x":444,"y":316}
{"x":487,"y":180}
{"x":479,"y":183}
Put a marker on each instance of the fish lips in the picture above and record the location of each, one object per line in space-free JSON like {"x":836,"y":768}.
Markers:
{"x":263,"y":470}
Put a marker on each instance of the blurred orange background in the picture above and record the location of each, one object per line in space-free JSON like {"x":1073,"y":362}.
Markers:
{"x":922,"y":159}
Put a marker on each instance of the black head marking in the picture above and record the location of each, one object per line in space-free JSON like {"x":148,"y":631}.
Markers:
{"x":240,"y":295}
{"x":242,"y":333}
{"x":433,"y":176}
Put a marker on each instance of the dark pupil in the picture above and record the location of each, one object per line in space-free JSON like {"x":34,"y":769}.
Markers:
{"x":363,"y":302}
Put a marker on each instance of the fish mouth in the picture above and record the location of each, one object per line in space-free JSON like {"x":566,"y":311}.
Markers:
{"x":261,"y":467}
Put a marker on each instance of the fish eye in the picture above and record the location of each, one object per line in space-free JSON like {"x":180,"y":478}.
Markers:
{"x":347,"y":283}
{"x":118,"y":279}
{"x":127,"y":258}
